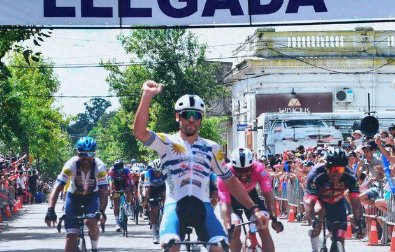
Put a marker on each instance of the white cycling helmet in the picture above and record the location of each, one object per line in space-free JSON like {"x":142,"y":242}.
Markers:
{"x":136,"y":168}
{"x":156,"y":165}
{"x":141,"y":167}
{"x":190,"y":102}
{"x":241,"y":158}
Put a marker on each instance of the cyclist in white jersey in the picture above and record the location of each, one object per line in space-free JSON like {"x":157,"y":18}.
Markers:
{"x":88,"y":187}
{"x":188,"y":160}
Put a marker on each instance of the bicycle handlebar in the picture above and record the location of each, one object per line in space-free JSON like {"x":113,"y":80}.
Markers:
{"x":82,"y":217}
{"x":232,"y":228}
{"x":173,"y":242}
{"x":155,"y":199}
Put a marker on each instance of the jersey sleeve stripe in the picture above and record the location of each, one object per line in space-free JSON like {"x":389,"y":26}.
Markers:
{"x":150,"y":140}
{"x":226,"y":176}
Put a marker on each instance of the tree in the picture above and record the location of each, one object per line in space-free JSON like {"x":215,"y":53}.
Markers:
{"x":10,"y":104}
{"x":173,"y":57}
{"x":94,"y":110}
{"x":40,"y":129}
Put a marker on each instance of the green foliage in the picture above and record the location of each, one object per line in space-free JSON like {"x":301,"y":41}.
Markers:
{"x":210,"y":129}
{"x":94,"y":110}
{"x":172,"y":57}
{"x":39,"y":126}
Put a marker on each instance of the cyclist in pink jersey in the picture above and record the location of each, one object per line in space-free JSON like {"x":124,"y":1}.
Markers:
{"x":250,"y":173}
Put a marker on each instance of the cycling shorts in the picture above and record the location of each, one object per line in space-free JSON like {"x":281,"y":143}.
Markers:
{"x":208,"y":229}
{"x":116,"y":195}
{"x":73,"y":208}
{"x":156,"y":192}
{"x":336,"y":212}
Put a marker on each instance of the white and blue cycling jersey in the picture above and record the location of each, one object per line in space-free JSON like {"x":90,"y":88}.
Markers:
{"x":151,"y":180}
{"x":188,"y":166}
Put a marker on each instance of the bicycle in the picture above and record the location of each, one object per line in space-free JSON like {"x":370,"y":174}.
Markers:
{"x":123,"y":208}
{"x":190,"y":244}
{"x":251,"y":243}
{"x":336,"y":245}
{"x":136,"y":211}
{"x":81,"y":243}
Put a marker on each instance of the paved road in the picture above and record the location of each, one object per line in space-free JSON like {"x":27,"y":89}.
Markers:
{"x":27,"y":232}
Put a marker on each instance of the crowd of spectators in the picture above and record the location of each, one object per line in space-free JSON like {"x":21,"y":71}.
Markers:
{"x":289,"y":171}
{"x":19,"y":180}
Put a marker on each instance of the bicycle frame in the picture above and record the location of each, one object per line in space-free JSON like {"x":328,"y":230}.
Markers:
{"x":336,"y":245}
{"x":80,"y":243}
{"x":250,"y":242}
{"x":123,"y":213}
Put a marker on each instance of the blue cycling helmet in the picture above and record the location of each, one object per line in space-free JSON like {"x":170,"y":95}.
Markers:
{"x":86,"y":144}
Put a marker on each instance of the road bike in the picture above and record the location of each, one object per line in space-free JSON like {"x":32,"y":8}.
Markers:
{"x":81,"y":243}
{"x":250,"y":243}
{"x":136,"y":209}
{"x":123,"y":210}
{"x":336,"y":246}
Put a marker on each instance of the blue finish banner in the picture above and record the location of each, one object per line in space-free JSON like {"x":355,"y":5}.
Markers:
{"x":118,"y":13}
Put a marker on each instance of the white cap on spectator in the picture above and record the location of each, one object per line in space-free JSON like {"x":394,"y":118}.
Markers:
{"x":357,"y":132}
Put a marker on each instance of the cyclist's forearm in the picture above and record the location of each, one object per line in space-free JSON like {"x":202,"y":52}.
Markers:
{"x":270,"y":202}
{"x":309,"y":208}
{"x":53,"y":197}
{"x":226,"y":214}
{"x":103,"y":196}
{"x":356,"y":208}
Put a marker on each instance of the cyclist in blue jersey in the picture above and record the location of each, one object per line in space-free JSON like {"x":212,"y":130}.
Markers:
{"x":188,"y":160}
{"x":155,"y":188}
{"x":88,"y":187}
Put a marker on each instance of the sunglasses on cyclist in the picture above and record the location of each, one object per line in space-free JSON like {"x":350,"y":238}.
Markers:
{"x":337,"y":169}
{"x":86,"y":154}
{"x":242,"y":170}
{"x":186,"y":114}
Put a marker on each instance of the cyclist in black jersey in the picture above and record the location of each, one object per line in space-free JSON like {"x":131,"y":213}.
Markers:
{"x":326,"y":185}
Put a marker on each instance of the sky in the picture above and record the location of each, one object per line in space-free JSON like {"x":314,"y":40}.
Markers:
{"x":89,"y":47}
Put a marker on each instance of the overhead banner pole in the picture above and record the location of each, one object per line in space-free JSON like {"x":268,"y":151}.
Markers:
{"x":190,"y":13}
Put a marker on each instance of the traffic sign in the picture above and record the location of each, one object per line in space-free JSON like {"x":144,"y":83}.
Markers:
{"x":242,"y":127}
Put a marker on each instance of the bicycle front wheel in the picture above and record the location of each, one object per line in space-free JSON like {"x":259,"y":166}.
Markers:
{"x":81,"y":245}
{"x":337,"y":247}
{"x":124,"y":221}
{"x":136,"y":214}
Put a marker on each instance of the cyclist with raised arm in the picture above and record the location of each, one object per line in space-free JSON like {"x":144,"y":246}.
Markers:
{"x":155,"y":189}
{"x":188,"y":160}
{"x":250,"y":173}
{"x":120,"y":179}
{"x":326,"y":184}
{"x":88,"y":187}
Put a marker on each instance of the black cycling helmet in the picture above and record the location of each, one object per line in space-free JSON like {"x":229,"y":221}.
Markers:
{"x":118,"y":164}
{"x":336,"y":157}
